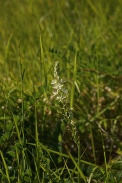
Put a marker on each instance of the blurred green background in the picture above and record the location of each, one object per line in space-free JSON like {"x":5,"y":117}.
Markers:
{"x":34,"y":34}
{"x":34,"y":31}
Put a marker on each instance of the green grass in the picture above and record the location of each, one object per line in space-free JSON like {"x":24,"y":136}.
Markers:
{"x":60,"y":91}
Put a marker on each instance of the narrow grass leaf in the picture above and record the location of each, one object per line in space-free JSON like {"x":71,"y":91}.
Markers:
{"x":5,"y":166}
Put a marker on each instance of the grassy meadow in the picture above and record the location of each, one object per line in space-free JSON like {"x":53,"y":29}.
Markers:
{"x":61,"y":91}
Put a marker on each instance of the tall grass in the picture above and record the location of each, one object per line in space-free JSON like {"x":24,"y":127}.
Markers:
{"x":60,"y":85}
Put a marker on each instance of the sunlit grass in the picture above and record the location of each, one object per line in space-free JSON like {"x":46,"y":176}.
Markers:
{"x":60,"y":125}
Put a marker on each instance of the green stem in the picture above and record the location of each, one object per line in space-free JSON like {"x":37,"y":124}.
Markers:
{"x":93,"y":145}
{"x":79,"y":155}
{"x":73,"y":84}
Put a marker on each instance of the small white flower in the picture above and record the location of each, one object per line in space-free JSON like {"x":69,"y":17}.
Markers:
{"x":54,"y":82}
{"x":55,"y":93}
{"x":3,"y":107}
{"x":19,"y":100}
{"x":107,"y":88}
{"x":58,"y":86}
{"x":59,"y":92}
